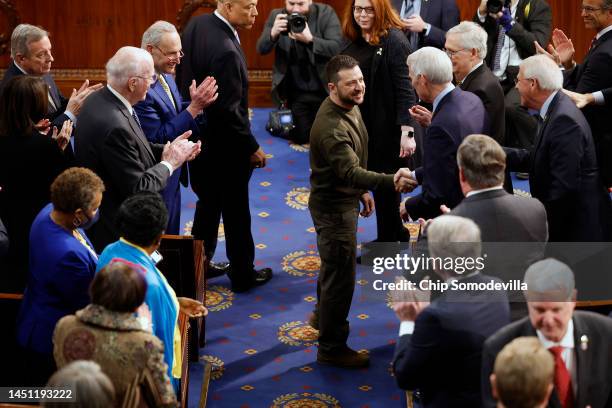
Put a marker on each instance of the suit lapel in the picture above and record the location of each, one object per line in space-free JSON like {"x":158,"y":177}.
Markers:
{"x":540,"y":134}
{"x":132,"y":122}
{"x":583,"y":360}
{"x":424,"y":12}
{"x":161,"y":94}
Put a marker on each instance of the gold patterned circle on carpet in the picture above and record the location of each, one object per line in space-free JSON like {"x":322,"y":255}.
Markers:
{"x":302,"y":263}
{"x":298,"y":198}
{"x":216,"y":364}
{"x":298,"y":333}
{"x":218,"y":298}
{"x":305,"y":400}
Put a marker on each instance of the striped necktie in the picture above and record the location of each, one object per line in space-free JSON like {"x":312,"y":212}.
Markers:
{"x":135,"y":116}
{"x":498,"y":48}
{"x":164,"y":85}
{"x":408,"y":8}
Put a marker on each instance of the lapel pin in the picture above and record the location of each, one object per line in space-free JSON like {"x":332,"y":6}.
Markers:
{"x":379,"y":52}
{"x":584,"y":342}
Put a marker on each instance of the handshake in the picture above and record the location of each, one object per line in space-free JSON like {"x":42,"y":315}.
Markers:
{"x":404,"y":180}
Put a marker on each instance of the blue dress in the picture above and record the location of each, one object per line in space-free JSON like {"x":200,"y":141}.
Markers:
{"x":160,"y":300}
{"x":61,"y":270}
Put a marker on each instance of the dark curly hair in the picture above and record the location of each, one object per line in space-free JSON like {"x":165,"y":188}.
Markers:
{"x":142,"y":218}
{"x":75,"y":188}
{"x":118,"y":287}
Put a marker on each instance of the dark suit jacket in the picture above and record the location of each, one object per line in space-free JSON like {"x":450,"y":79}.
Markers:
{"x":109,"y":141}
{"x":28,"y":166}
{"x":4,"y":240}
{"x":591,"y":76}
{"x":161,"y":123}
{"x":459,"y":114}
{"x":389,"y":96}
{"x":56,"y":115}
{"x":533,"y":22}
{"x":441,"y":14}
{"x":325,"y":28}
{"x":564,"y":175}
{"x":503,"y":217}
{"x":442,"y":358}
{"x":486,"y":86}
{"x":594,"y":364}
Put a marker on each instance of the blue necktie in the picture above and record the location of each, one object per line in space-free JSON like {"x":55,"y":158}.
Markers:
{"x":498,"y":48}
{"x":135,"y":116}
{"x":408,"y":8}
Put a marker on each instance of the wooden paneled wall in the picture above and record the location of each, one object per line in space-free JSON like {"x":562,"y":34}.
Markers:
{"x":85,"y":34}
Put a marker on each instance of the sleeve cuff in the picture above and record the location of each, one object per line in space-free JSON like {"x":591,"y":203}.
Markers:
{"x":71,"y":116}
{"x":168,"y":165}
{"x":599,"y":98}
{"x":413,"y":175}
{"x":481,"y":18}
{"x":427,"y":29}
{"x":406,"y":328}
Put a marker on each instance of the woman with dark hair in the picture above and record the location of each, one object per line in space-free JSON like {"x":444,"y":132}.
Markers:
{"x":62,"y":265}
{"x":29,"y":162}
{"x":141,"y":222}
{"x":116,"y":293}
{"x":373,"y":31}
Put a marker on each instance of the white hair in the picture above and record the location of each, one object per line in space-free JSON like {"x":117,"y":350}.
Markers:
{"x":453,"y":236}
{"x":154,"y":33}
{"x":91,"y":387}
{"x":432,"y":63}
{"x":127,"y":62}
{"x":22,"y":36}
{"x":471,"y":36}
{"x":551,"y":278}
{"x":544,"y":70}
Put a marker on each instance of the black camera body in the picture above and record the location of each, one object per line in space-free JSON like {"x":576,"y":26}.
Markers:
{"x":296,"y":23}
{"x":495,"y":6}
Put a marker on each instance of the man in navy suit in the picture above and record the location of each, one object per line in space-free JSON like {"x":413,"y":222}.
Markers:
{"x":456,"y":114}
{"x":579,"y":341}
{"x":427,"y":20}
{"x":220,"y":176}
{"x":563,"y":169}
{"x":31,"y":55}
{"x":163,"y":114}
{"x":440,"y":344}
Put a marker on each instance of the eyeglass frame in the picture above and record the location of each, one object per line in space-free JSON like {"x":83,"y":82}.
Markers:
{"x":451,"y":54}
{"x":517,"y":80}
{"x":153,"y":78}
{"x":368,"y":10}
{"x":166,"y":54}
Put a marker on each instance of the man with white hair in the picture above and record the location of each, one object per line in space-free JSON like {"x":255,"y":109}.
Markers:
{"x":439,"y":348}
{"x":562,"y":165}
{"x":163,"y":115}
{"x":111,"y":142}
{"x":456,"y":114}
{"x":466,"y":45}
{"x":579,"y":341}
{"x":31,"y":55}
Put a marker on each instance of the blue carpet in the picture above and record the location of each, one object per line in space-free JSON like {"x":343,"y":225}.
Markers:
{"x":262,"y":350}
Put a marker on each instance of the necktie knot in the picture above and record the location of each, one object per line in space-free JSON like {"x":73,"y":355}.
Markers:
{"x":556,"y":350}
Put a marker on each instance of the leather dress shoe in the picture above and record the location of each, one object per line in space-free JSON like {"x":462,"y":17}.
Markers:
{"x":216,"y":269}
{"x":260,"y":277}
{"x":345,"y":358}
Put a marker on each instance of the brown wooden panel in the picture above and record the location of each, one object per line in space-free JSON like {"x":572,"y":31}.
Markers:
{"x":86,"y":34}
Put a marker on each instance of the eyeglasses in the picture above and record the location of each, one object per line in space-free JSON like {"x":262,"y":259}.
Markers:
{"x":451,"y":54}
{"x":368,"y":10}
{"x":152,"y":78}
{"x":172,"y":56}
{"x":591,"y":10}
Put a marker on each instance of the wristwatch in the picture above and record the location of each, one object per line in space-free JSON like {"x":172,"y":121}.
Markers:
{"x":408,"y":133}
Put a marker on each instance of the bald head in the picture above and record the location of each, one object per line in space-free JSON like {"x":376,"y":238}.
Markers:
{"x":130,"y":73}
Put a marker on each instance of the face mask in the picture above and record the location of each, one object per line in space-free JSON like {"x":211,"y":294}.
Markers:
{"x":90,"y":221}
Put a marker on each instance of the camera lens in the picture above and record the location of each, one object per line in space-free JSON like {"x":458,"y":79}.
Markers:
{"x":296,"y":23}
{"x":494,"y":6}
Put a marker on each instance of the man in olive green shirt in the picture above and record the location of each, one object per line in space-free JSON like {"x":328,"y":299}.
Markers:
{"x":339,"y":180}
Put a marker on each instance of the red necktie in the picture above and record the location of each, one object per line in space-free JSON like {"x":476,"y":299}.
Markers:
{"x":563,"y":380}
{"x":593,"y":41}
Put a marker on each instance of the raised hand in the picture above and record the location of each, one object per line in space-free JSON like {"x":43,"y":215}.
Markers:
{"x":421,"y":114}
{"x":75,"y":103}
{"x":564,"y":48}
{"x":62,"y":138}
{"x":202,"y":96}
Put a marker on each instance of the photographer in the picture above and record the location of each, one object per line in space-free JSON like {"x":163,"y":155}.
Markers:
{"x":304,"y":36}
{"x":513,"y":26}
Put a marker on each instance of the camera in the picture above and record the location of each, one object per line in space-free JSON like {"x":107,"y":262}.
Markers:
{"x":296,"y":23}
{"x":495,"y":6}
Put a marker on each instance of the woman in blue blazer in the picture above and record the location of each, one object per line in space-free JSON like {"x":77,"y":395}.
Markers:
{"x":62,"y":265}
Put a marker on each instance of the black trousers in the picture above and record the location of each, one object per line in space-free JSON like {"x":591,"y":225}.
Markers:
{"x":221,"y":182}
{"x":304,"y":107}
{"x":389,"y":226}
{"x":521,"y":127}
{"x":337,"y":244}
